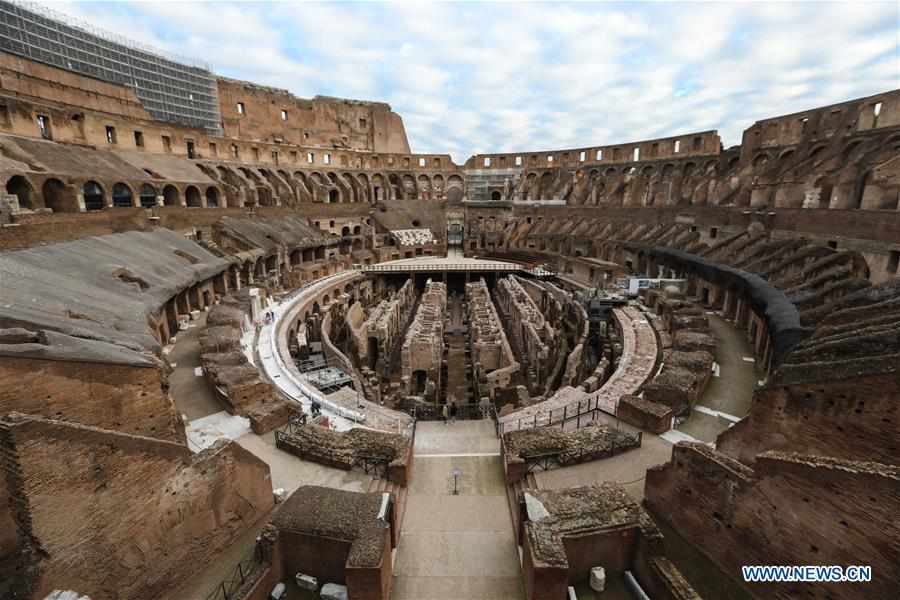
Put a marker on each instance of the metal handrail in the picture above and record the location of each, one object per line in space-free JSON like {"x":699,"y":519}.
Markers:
{"x":441,"y":267}
{"x":228,"y":588}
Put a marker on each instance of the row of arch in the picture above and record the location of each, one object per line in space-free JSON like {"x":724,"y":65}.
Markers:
{"x":60,"y":197}
{"x":266,"y":187}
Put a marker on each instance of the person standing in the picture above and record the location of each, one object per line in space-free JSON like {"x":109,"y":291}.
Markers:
{"x":445,"y":412}
{"x":452,"y":411}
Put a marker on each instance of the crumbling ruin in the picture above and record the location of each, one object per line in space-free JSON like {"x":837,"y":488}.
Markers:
{"x":122,"y":226}
{"x":423,"y":348}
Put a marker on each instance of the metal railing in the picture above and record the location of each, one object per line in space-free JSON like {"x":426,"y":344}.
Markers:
{"x":581,"y":411}
{"x":377,"y":466}
{"x":435,"y":412}
{"x":432,"y":267}
{"x":247,"y":570}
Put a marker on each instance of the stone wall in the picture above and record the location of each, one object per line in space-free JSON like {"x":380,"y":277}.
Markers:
{"x":790,"y":509}
{"x":102,"y":505}
{"x":853,"y":420}
{"x":530,"y":335}
{"x":423,"y":347}
{"x":272,"y":114}
{"x":494,"y":364}
{"x":568,"y":319}
{"x":122,"y":398}
{"x":384,"y":326}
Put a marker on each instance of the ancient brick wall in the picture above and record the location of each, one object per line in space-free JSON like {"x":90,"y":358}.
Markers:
{"x":423,"y":345}
{"x":105,"y":506}
{"x":272,"y":114}
{"x":531,"y":336}
{"x":8,"y":537}
{"x":790,"y":510}
{"x":804,"y":419}
{"x":116,"y":397}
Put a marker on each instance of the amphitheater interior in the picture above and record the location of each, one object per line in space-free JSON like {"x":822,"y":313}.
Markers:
{"x":254,"y":342}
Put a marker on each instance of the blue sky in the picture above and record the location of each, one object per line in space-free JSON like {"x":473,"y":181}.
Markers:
{"x":497,"y":77}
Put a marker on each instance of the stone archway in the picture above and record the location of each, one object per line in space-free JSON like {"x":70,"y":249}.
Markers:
{"x":20,"y":187}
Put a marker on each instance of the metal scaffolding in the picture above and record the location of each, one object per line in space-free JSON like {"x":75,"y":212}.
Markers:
{"x":172,"y":89}
{"x":481,"y":182}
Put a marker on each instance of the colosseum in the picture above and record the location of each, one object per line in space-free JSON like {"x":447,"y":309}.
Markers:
{"x":252,"y":346}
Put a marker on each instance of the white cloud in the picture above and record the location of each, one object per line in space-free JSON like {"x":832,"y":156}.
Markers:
{"x":519,"y":77}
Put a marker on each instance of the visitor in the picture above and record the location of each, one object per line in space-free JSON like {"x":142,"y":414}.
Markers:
{"x":452,"y":411}
{"x":445,"y":413}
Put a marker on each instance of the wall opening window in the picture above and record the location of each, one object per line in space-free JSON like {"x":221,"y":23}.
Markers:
{"x":487,"y":161}
{"x":677,"y":146}
{"x":893,"y":261}
{"x":139,"y":139}
{"x":423,"y":162}
{"x":213,"y":151}
{"x":698,"y":143}
{"x":121,"y":196}
{"x":43,"y":123}
{"x":235,"y":151}
{"x":363,"y":124}
{"x":713,"y":233}
{"x":599,"y":154}
{"x":436,"y":163}
{"x":636,"y":155}
{"x":876,"y":110}
{"x":110,"y":134}
{"x":832,"y":244}
{"x":310,"y":157}
{"x":654,"y":150}
{"x":326,"y":158}
{"x":518,"y":161}
{"x":167,"y":143}
{"x":255,"y":154}
{"x":241,"y":109}
{"x":5,"y":120}
{"x":284,"y":115}
{"x":190,"y":148}
{"x":617,"y":153}
{"x":275,"y":157}
{"x":549,"y":158}
{"x":293,"y":156}
{"x":583,"y":156}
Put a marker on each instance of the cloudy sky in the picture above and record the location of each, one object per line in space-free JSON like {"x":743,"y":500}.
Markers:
{"x":498,"y":77}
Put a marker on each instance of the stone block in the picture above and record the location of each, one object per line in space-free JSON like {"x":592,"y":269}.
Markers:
{"x":333,"y":591}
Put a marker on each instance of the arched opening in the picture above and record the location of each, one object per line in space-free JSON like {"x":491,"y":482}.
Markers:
{"x":496,"y":196}
{"x":57,"y":198}
{"x":264,"y":196}
{"x":420,"y":378}
{"x":192,"y":197}
{"x":345,"y":230}
{"x":372,"y":352}
{"x":170,"y":196}
{"x":333,"y":196}
{"x":19,"y":187}
{"x":357,"y":230}
{"x":212,"y":197}
{"x":122,"y":196}
{"x":148,"y":196}
{"x":93,"y":196}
